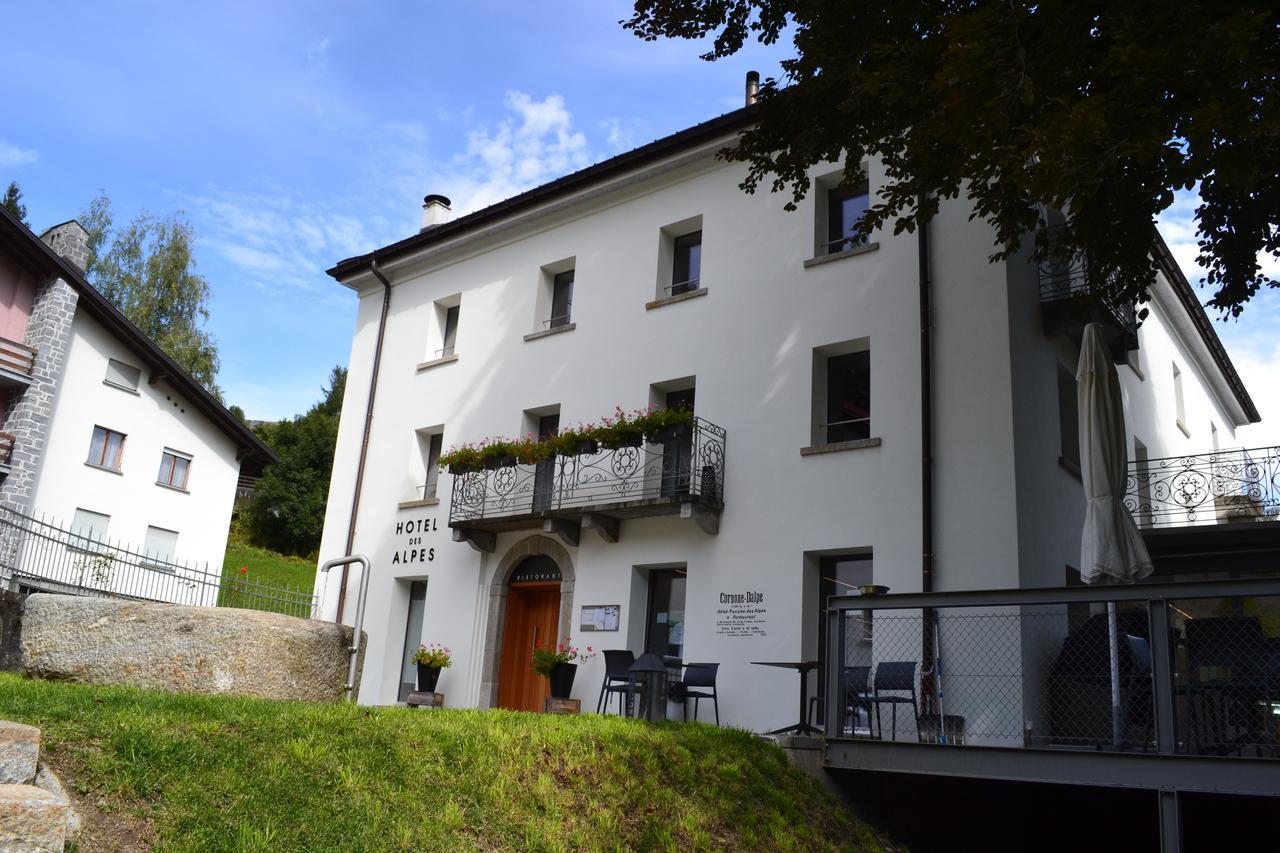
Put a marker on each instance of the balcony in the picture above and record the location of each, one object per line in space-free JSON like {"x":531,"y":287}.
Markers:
{"x":1069,"y":301}
{"x":16,"y":362}
{"x":1168,"y":687}
{"x":7,"y":443}
{"x":595,"y":491}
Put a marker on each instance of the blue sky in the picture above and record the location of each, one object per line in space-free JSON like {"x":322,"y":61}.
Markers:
{"x":297,"y":134}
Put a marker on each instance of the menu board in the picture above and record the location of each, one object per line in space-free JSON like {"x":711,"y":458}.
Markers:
{"x":600,"y":617}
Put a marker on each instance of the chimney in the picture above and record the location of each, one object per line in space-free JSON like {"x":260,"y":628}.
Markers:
{"x":435,"y":211}
{"x":753,"y":86}
{"x":69,"y":240}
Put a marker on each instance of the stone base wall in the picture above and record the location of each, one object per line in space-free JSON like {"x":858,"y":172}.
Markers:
{"x":184,"y":649}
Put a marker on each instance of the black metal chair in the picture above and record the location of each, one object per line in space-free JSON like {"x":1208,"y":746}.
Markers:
{"x":896,"y":677}
{"x":617,"y":679}
{"x":700,"y":675}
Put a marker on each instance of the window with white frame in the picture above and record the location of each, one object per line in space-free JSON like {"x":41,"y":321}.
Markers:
{"x":160,"y":546}
{"x":839,"y":207}
{"x":443,"y":333}
{"x":430,"y":443}
{"x":122,"y":375}
{"x":1179,"y":402}
{"x":174,"y":469}
{"x":106,"y":448}
{"x":680,"y":257}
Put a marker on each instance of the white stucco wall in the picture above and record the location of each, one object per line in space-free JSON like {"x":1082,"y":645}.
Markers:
{"x":154,"y":418}
{"x":749,"y":342}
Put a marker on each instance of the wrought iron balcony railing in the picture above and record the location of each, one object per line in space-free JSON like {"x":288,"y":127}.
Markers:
{"x":1069,"y":285}
{"x":1207,"y":488}
{"x":623,"y":482}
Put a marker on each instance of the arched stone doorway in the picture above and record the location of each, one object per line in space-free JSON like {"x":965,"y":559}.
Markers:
{"x":527,"y":562}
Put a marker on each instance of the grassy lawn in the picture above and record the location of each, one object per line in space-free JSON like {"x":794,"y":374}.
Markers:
{"x":265,"y":569}
{"x":212,"y":773}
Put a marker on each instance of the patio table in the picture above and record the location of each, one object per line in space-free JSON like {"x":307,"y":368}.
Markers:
{"x":803,"y":667}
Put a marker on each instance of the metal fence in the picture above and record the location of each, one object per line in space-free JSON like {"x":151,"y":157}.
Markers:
{"x":1074,"y":280}
{"x":40,"y":555}
{"x":1225,"y":486}
{"x":688,"y":464}
{"x":1182,"y":669}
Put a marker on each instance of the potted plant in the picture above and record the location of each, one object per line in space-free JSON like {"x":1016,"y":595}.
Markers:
{"x":664,"y":425}
{"x":531,"y":450}
{"x":463,"y":459}
{"x":574,"y":442}
{"x":430,"y":660}
{"x":498,"y":453}
{"x":620,"y":430}
{"x":560,"y":665}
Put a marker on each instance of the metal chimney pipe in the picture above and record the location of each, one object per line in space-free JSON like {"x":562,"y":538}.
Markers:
{"x":753,"y":87}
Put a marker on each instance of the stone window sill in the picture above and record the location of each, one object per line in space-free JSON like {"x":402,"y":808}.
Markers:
{"x":679,"y":297}
{"x":837,"y":447}
{"x":115,"y":471}
{"x":119,"y":387}
{"x":835,"y":256}
{"x":546,"y":333}
{"x":439,"y":362}
{"x":1071,"y":466}
{"x":418,"y":503}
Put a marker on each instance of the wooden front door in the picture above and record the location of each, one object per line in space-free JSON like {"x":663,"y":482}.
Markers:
{"x":533,"y":616}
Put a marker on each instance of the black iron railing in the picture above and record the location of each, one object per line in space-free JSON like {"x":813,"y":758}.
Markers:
{"x":1225,"y":486}
{"x":1062,"y":281}
{"x":687,"y":466}
{"x":40,"y":555}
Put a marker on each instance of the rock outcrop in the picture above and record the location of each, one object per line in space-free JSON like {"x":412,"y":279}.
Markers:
{"x":184,"y":649}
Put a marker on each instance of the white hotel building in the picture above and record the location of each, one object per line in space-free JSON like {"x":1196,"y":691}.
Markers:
{"x":651,"y":278}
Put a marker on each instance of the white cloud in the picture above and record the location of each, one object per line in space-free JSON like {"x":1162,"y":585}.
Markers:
{"x":625,"y":134}
{"x":11,"y":156}
{"x":316,"y":50}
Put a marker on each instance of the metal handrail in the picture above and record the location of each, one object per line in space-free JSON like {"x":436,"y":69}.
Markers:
{"x":354,"y":648}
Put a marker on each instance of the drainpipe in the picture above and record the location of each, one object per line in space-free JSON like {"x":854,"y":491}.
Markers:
{"x":368,"y":426}
{"x":929,"y":636}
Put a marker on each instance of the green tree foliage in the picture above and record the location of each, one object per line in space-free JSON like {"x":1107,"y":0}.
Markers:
{"x":286,"y":513}
{"x":147,"y":270}
{"x":12,"y":202}
{"x":1103,"y":109}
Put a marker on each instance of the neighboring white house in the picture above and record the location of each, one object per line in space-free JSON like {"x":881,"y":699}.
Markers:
{"x":108,"y":439}
{"x":651,"y":278}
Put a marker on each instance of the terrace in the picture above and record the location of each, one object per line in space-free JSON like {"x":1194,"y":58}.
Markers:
{"x":595,"y":489}
{"x":1070,"y":299}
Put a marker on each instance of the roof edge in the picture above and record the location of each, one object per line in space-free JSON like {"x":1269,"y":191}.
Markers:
{"x":50,"y":262}
{"x":1195,"y":310}
{"x":636,"y":157}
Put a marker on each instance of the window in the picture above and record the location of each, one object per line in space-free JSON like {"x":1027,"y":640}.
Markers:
{"x":1142,"y":460}
{"x":686,"y":263}
{"x":435,"y":442}
{"x":414,"y":621}
{"x":159,"y":548}
{"x":1180,"y":403}
{"x":174,"y":467}
{"x":88,"y":530}
{"x":450,"y":331}
{"x":842,"y":574}
{"x":561,"y":299}
{"x":846,"y":395}
{"x":845,"y":208}
{"x":664,"y":633}
{"x":106,"y":448}
{"x":1068,"y":419}
{"x":122,"y":375}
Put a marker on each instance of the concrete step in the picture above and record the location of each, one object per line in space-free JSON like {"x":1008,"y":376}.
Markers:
{"x":19,"y":753}
{"x":32,"y":820}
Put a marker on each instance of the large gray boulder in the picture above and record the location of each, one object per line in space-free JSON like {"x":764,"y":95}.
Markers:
{"x":184,"y":649}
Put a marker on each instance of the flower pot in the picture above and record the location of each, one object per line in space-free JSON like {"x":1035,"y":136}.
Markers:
{"x":675,"y":432}
{"x":588,"y":446}
{"x":496,"y":462}
{"x":624,"y":441}
{"x":561,"y":679}
{"x":427,"y":678}
{"x":459,"y":468}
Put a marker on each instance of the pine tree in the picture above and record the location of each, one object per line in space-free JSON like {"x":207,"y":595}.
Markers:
{"x":12,"y":202}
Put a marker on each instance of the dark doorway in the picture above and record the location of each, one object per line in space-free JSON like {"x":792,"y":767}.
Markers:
{"x":677,"y":454}
{"x":412,"y":638}
{"x":544,"y":477}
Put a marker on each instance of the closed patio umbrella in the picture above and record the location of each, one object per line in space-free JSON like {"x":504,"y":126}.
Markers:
{"x":1111,"y":548}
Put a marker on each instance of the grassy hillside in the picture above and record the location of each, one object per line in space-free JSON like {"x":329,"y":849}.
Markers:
{"x":201,"y":773}
{"x":263,"y":569}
